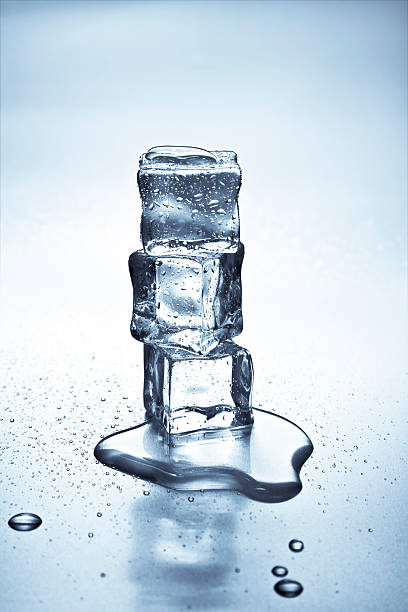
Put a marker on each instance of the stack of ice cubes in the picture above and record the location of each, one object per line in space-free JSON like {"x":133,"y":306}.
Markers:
{"x":187,"y":291}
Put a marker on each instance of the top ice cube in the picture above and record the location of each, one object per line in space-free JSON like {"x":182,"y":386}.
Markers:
{"x":190,"y":200}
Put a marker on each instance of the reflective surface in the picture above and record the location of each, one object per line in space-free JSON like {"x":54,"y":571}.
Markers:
{"x":312,"y":97}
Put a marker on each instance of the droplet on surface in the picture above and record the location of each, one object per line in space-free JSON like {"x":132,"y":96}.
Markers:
{"x":90,"y":534}
{"x":190,"y":499}
{"x":296,"y":545}
{"x":25,"y":521}
{"x":146,"y":492}
{"x":288,"y":588}
{"x":279,"y":570}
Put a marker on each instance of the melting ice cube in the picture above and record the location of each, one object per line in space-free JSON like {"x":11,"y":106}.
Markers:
{"x":189,"y":199}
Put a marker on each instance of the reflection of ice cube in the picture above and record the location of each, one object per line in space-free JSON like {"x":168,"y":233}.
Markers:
{"x":189,"y":199}
{"x":189,"y":392}
{"x":192,"y":301}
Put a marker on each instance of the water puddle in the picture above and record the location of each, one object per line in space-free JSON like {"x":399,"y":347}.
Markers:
{"x":263,"y":463}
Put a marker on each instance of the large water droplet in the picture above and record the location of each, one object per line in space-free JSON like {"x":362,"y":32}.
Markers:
{"x":279,"y":571}
{"x":25,"y":521}
{"x":180,"y":155}
{"x":296,"y":545}
{"x":288,"y":588}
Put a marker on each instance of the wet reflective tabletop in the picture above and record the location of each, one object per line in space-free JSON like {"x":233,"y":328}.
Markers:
{"x":311,"y":96}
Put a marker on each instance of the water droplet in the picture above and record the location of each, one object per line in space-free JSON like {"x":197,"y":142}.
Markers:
{"x":99,"y":514}
{"x":146,"y":492}
{"x":90,"y":534}
{"x":190,"y":499}
{"x":237,"y":570}
{"x":25,"y":521}
{"x":102,"y":574}
{"x":296,"y":545}
{"x":12,"y":420}
{"x":288,"y":588}
{"x":370,"y":530}
{"x":279,"y":571}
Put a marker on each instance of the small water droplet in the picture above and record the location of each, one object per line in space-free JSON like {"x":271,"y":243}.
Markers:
{"x":370,"y":530}
{"x":288,"y":588}
{"x":296,"y":545}
{"x":90,"y":534}
{"x":102,"y":574}
{"x":279,"y":571}
{"x":190,"y":499}
{"x":99,"y":514}
{"x":237,"y":570}
{"x":11,"y":420}
{"x":25,"y":521}
{"x":146,"y":492}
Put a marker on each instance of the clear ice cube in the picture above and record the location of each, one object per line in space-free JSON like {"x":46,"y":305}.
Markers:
{"x":191,"y":301}
{"x":189,"y":392}
{"x":189,"y":200}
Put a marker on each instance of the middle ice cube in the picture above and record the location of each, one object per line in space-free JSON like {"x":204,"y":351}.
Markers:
{"x":191,"y":301}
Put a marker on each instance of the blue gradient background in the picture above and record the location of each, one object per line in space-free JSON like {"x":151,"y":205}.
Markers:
{"x":313,"y":97}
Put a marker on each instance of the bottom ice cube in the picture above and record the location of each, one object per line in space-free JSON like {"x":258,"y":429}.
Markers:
{"x":189,"y":392}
